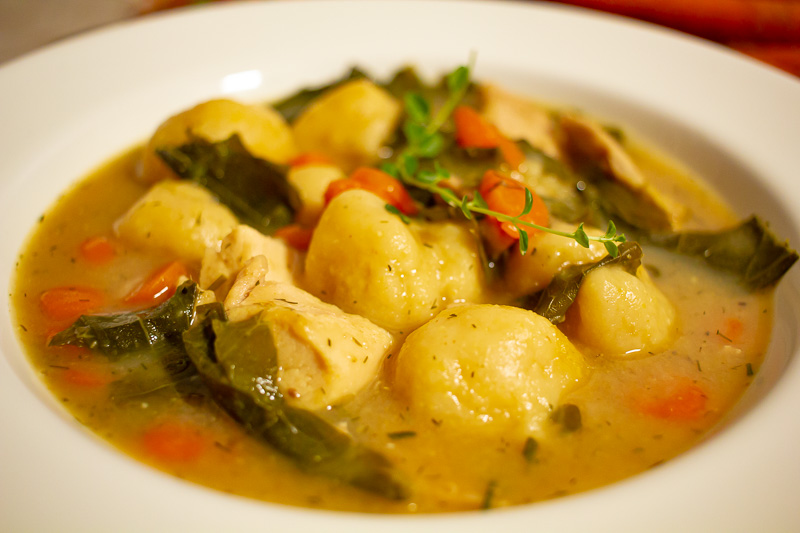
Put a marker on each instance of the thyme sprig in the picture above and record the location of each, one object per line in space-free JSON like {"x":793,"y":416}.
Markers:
{"x":425,"y":141}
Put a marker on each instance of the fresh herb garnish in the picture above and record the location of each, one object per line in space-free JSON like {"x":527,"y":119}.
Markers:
{"x":424,"y":141}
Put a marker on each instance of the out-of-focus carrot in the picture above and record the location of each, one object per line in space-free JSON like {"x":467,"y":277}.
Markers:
{"x":69,"y":303}
{"x":295,"y":236}
{"x":681,"y":401}
{"x":511,"y":152}
{"x":86,"y":378}
{"x":506,"y":195}
{"x":377,"y":182}
{"x":175,"y":442}
{"x":770,"y":20}
{"x":785,"y":56}
{"x":310,"y":158}
{"x":97,"y":250}
{"x":731,"y":330}
{"x":474,"y":131}
{"x":159,"y":286}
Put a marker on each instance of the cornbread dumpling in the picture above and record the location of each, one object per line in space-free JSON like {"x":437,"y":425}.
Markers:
{"x":348,"y":123}
{"x":311,"y":182}
{"x":620,"y":314}
{"x":178,"y":217}
{"x":262,"y":130}
{"x":547,"y":255}
{"x":369,"y":262}
{"x":487,"y":368}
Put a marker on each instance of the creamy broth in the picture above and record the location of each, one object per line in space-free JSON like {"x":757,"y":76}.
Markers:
{"x":724,"y":331}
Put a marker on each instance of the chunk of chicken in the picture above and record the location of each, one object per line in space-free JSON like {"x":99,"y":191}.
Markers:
{"x":519,"y":118}
{"x":324,"y":354}
{"x":221,"y":264}
{"x":586,"y":139}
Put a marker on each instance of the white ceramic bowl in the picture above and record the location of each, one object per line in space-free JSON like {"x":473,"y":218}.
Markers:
{"x":69,"y":107}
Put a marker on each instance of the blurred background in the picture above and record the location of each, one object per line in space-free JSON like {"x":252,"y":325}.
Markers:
{"x":768,"y":30}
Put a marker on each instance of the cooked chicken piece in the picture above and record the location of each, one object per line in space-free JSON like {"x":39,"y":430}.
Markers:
{"x":324,"y":354}
{"x":237,"y":248}
{"x":587,"y":140}
{"x":518,"y":118}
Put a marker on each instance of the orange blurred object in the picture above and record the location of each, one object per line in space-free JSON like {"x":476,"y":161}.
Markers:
{"x":69,"y":303}
{"x":159,"y":286}
{"x":507,"y":196}
{"x":377,"y":182}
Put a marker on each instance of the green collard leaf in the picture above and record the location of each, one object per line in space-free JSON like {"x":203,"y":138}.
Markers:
{"x":118,"y":335}
{"x":750,"y":251}
{"x":417,"y":107}
{"x":560,"y":294}
{"x":404,"y":81}
{"x":239,"y":364}
{"x":458,"y":80}
{"x":254,"y":189}
{"x":581,"y":237}
{"x":523,"y":241}
{"x":395,"y":211}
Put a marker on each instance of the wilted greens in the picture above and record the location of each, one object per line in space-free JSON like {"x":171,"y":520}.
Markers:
{"x":238,"y":362}
{"x":121,"y":334}
{"x":254,"y":189}
{"x":560,"y":294}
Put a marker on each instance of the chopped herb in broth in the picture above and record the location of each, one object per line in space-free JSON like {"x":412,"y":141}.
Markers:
{"x":394,"y":297}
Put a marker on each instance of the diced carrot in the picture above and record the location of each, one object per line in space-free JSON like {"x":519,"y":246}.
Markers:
{"x":511,"y":153}
{"x":507,"y":196}
{"x":474,"y":131}
{"x":175,"y":442}
{"x":97,"y":250}
{"x":159,"y":286}
{"x":310,"y":158}
{"x":295,"y":236}
{"x":681,"y":401}
{"x":69,"y":303}
{"x":86,"y":378}
{"x":377,"y":182}
{"x":732,"y":329}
